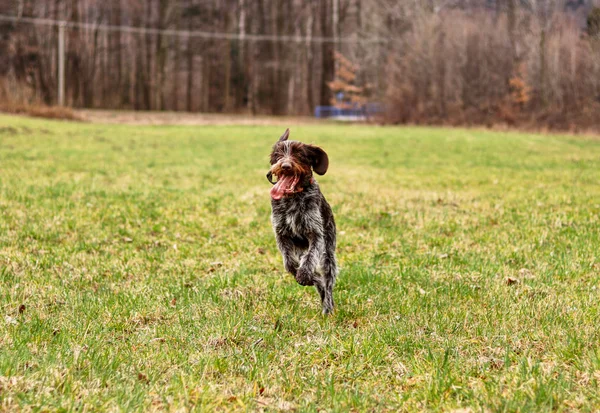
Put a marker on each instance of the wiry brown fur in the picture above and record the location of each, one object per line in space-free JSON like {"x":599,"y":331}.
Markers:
{"x":303,"y":221}
{"x":300,"y":162}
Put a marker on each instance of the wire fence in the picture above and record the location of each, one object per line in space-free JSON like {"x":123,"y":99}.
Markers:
{"x":194,"y":33}
{"x":98,"y":65}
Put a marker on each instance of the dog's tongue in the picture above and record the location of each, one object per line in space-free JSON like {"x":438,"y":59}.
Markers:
{"x":285,"y":185}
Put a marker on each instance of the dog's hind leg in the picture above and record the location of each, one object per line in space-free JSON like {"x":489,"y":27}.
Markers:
{"x":325,"y":284}
{"x":325,"y":290}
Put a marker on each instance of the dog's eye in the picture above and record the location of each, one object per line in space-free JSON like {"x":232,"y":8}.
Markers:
{"x":275,"y":157}
{"x":302,"y":156}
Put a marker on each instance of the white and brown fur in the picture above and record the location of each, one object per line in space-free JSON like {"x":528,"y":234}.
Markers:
{"x":303,"y":221}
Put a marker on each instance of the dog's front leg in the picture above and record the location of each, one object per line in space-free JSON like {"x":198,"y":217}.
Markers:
{"x":310,"y":261}
{"x":286,"y":247}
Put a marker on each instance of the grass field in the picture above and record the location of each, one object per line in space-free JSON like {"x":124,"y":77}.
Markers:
{"x":138,"y":271}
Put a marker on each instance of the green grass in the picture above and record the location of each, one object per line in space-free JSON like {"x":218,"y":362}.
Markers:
{"x":138,"y":271}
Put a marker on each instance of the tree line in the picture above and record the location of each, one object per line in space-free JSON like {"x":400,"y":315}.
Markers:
{"x":431,"y":61}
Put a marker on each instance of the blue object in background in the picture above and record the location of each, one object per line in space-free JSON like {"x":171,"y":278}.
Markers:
{"x":359,"y":112}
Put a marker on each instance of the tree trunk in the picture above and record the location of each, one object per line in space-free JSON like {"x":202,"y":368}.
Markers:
{"x":175,"y":75}
{"x":115,"y":50}
{"x":242,"y":64}
{"x":309,"y":62}
{"x":512,"y":24}
{"x":190,"y":73}
{"x":73,"y":61}
{"x":335,"y":22}
{"x":441,"y":70}
{"x":543,"y":69}
{"x":275,"y":86}
{"x":227,"y":64}
{"x":161,"y":55}
{"x":327,"y":62}
{"x":205,"y":92}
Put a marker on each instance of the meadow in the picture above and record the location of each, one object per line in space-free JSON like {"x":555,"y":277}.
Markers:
{"x":139,"y":272}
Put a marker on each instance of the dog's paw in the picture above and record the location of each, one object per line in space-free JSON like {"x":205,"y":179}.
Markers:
{"x":327,"y":310}
{"x":292,"y":269}
{"x":304,"y":277}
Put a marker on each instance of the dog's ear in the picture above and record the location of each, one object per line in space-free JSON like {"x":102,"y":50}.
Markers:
{"x":285,"y":135}
{"x":319,"y":159}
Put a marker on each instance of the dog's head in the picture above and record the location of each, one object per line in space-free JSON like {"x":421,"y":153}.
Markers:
{"x":293,"y":162}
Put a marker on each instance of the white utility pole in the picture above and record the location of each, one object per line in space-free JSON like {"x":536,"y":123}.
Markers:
{"x":61,"y":64}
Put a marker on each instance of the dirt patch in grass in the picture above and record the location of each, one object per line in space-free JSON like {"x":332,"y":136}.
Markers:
{"x":185,"y":118}
{"x":40,"y":111}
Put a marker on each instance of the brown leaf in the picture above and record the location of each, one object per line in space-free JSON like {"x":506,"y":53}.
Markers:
{"x":511,"y":281}
{"x":143,"y":378}
{"x":173,"y":302}
{"x":496,"y":364}
{"x":261,"y":251}
{"x":261,"y":390}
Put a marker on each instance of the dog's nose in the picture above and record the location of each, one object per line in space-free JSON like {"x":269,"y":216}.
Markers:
{"x":286,"y":166}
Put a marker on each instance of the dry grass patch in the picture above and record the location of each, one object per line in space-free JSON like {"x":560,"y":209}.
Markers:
{"x":40,"y":111}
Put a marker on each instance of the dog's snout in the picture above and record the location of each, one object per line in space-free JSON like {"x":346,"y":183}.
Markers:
{"x":286,"y":166}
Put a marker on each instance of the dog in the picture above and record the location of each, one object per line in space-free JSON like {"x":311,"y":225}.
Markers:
{"x":302,"y":219}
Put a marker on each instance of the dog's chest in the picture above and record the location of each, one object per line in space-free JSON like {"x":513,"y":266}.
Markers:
{"x":295,"y":216}
{"x":294,"y":223}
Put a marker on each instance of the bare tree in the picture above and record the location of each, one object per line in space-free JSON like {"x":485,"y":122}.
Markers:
{"x":456,"y":61}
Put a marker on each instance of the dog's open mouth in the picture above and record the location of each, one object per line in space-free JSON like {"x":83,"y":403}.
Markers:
{"x":285,"y":185}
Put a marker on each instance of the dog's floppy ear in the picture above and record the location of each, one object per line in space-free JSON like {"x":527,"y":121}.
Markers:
{"x":319,"y":159}
{"x":285,"y":135}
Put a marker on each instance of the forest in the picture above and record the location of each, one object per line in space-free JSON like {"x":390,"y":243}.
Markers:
{"x":515,"y":62}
